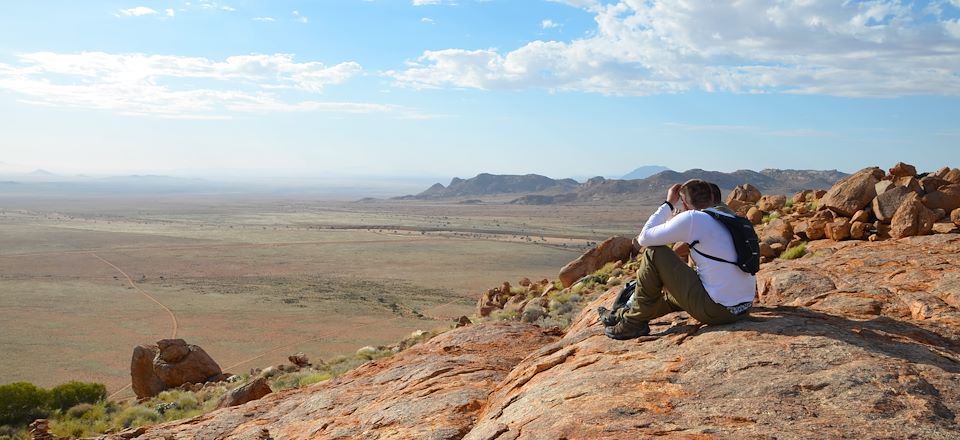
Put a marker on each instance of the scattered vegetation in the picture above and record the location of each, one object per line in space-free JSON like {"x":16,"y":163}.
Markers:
{"x":77,"y":409}
{"x":794,"y":252}
{"x":23,"y":402}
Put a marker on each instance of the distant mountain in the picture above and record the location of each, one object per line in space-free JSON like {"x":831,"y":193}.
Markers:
{"x":539,"y":190}
{"x":644,"y":172}
{"x":490,"y":184}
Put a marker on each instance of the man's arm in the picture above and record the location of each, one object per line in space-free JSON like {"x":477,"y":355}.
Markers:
{"x":662,"y":228}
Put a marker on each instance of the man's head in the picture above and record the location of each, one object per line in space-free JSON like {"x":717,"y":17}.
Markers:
{"x":697,"y":194}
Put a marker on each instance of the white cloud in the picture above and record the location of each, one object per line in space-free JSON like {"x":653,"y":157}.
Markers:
{"x":426,"y":2}
{"x":265,"y":19}
{"x":427,"y":20}
{"x":138,"y":11}
{"x":643,"y":47}
{"x":548,"y":24}
{"x":154,"y":84}
{"x":300,"y":18}
{"x":171,"y":13}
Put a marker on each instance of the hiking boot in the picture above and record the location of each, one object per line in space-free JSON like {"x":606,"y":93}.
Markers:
{"x":624,"y":330}
{"x":607,"y":317}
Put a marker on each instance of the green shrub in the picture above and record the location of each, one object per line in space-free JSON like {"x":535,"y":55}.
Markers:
{"x":11,"y":433}
{"x":64,"y":396}
{"x":136,"y":416}
{"x":78,"y":411}
{"x":21,"y":403}
{"x":794,"y":252}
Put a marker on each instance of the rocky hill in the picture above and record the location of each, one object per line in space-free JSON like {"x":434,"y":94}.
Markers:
{"x":540,"y":190}
{"x":856,"y":338}
{"x":489,"y":184}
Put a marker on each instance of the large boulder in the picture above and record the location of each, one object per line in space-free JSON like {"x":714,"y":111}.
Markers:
{"x":169,"y":364}
{"x":612,"y":249}
{"x":946,"y":197}
{"x":912,"y":218}
{"x":249,"y":392}
{"x":143,"y":379}
{"x":744,"y":193}
{"x":886,"y":204}
{"x":853,"y":193}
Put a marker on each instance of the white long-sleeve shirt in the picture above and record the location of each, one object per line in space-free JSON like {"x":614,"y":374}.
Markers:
{"x":725,"y":283}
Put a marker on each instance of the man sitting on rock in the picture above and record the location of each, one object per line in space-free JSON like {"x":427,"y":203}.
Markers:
{"x":715,"y":293}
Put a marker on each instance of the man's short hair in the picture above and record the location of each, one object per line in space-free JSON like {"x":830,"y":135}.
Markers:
{"x":697,"y":193}
{"x":716,"y":193}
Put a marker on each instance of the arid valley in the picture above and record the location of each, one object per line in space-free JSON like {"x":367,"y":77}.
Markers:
{"x":85,"y":279}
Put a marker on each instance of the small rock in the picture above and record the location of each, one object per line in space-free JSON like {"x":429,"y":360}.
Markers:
{"x":838,"y":230}
{"x":903,"y":170}
{"x":883,"y":186}
{"x":861,"y":216}
{"x":932,"y":183}
{"x":953,"y":176}
{"x":801,"y":197}
{"x":919,"y":310}
{"x":755,"y":215}
{"x":299,"y":359}
{"x":777,"y":248}
{"x":778,"y":231}
{"x":771,"y":203}
{"x":955,"y":216}
{"x":246,"y":393}
{"x":858,"y":230}
{"x":946,"y":197}
{"x":744,"y":193}
{"x":463,"y":321}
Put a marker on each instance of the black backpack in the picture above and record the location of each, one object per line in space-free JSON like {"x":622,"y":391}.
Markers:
{"x":745,"y":241}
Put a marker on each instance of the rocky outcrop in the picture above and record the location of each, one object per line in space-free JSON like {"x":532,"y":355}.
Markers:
{"x":170,"y":364}
{"x":610,"y":250}
{"x":853,"y":193}
{"x":844,"y":359}
{"x":431,"y":391}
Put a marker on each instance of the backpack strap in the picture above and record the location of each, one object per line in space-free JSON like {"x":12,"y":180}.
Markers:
{"x":716,"y":217}
{"x":708,"y":255}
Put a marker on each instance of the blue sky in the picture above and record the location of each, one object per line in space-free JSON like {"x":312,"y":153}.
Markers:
{"x":455,"y":88}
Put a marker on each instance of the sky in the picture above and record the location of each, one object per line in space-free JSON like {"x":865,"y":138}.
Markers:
{"x":418,"y":88}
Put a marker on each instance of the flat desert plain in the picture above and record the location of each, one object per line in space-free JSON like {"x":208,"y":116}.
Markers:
{"x":85,"y":279}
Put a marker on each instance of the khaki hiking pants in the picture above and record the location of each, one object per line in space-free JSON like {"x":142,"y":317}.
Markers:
{"x":665,"y":284}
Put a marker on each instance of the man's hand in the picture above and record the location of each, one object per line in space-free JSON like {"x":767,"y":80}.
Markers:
{"x":673,"y":194}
